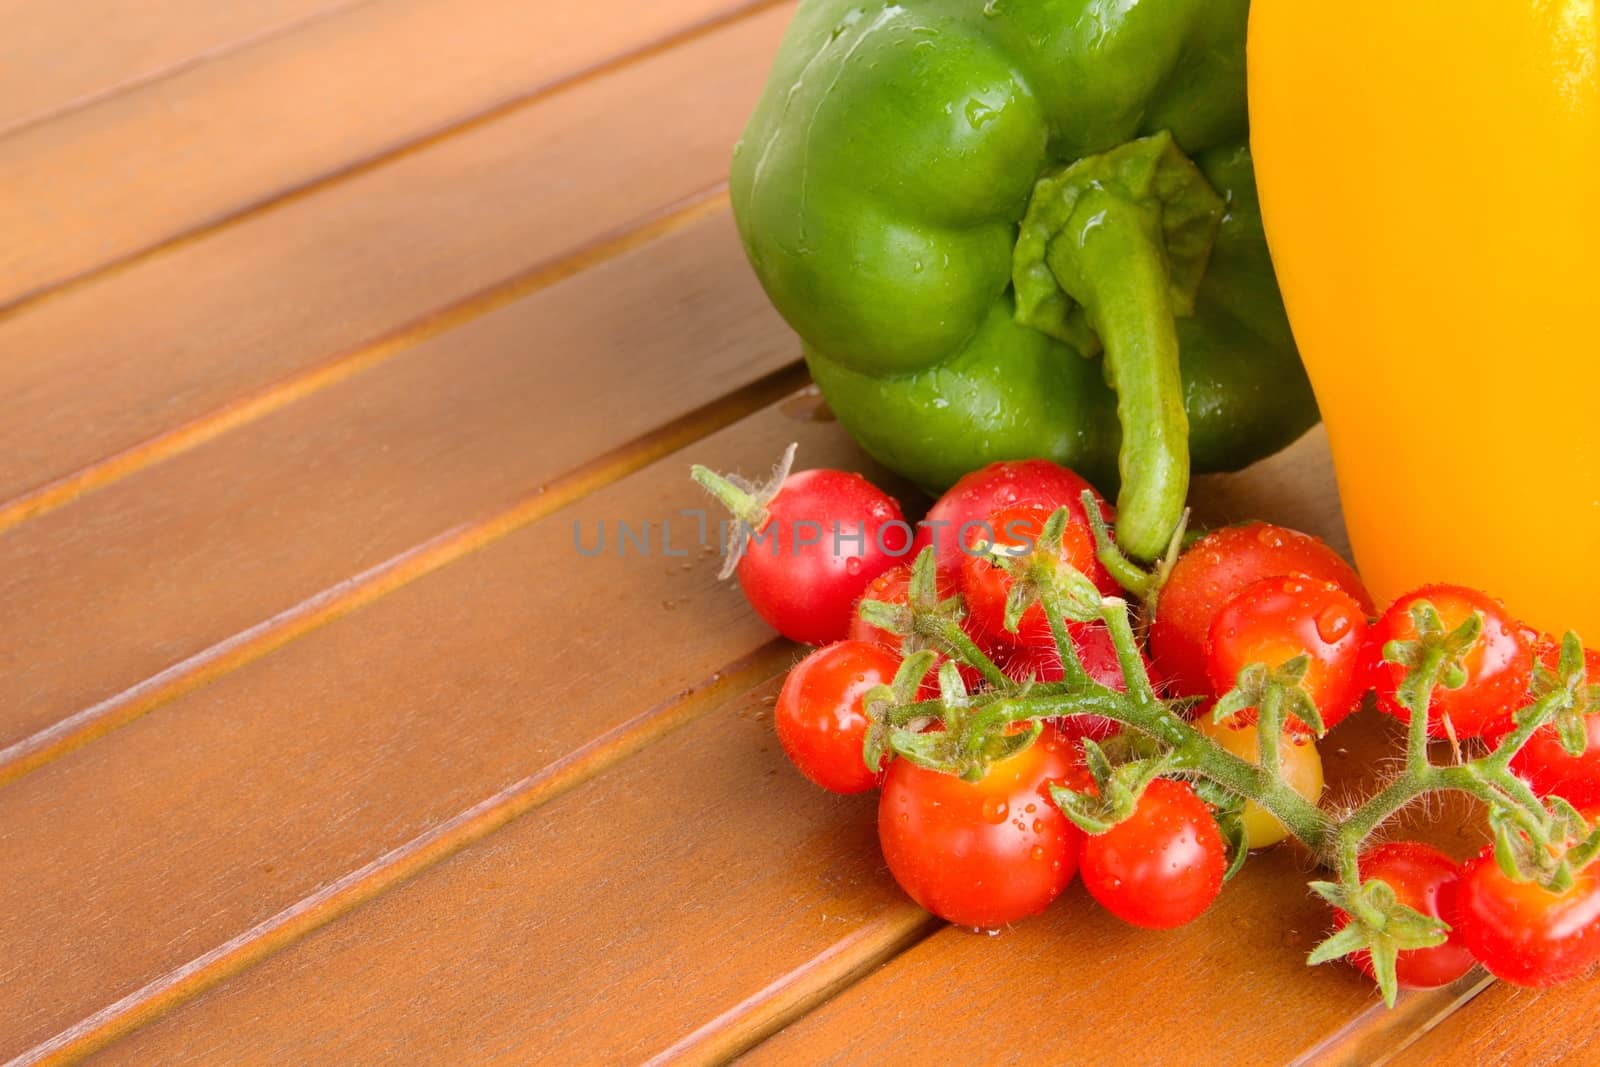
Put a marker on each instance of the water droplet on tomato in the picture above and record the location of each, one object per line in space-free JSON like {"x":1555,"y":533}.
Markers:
{"x":1038,"y":826}
{"x":1037,"y":852}
{"x":995,"y":810}
{"x":1269,"y":537}
{"x":1333,"y":623}
{"x":852,"y":566}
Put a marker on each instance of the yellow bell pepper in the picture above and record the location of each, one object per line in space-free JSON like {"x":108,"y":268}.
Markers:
{"x":1430,"y":178}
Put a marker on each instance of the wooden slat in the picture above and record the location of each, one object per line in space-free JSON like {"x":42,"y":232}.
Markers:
{"x":116,"y":375}
{"x":105,"y":182}
{"x":1509,"y":1025}
{"x":355,"y":475}
{"x":55,"y":56}
{"x":130,"y":858}
{"x":700,"y":876}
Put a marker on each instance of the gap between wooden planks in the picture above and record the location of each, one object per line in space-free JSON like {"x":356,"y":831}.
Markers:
{"x":56,"y":57}
{"x":339,"y":500}
{"x":245,"y":796}
{"x":224,"y":329}
{"x":192,"y":150}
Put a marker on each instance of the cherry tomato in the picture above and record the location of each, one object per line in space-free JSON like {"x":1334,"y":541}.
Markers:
{"x":1499,"y":666}
{"x":1427,"y":880}
{"x":1163,"y":866}
{"x":968,"y":505}
{"x":984,"y":853}
{"x":829,"y":533}
{"x":1545,"y":765}
{"x":821,"y":717}
{"x":1276,"y":619}
{"x":1298,"y":760}
{"x":987,"y":586}
{"x":1522,"y":932}
{"x":1215,"y":568}
{"x":1039,"y":660}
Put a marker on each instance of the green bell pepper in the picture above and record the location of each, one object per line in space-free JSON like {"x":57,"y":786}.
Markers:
{"x":996,"y":227}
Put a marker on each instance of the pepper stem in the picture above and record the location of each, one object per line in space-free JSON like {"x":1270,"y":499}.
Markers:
{"x":1110,"y":254}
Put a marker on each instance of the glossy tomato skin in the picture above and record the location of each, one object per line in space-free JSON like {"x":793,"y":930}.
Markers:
{"x":1523,"y":933}
{"x":1162,"y":867}
{"x":1276,"y":619}
{"x":976,"y":497}
{"x":801,"y":578}
{"x":821,"y":716}
{"x":1545,"y":765}
{"x":982,"y":854}
{"x":987,"y":586}
{"x":1427,"y":880}
{"x":1499,"y":667}
{"x":1215,"y":568}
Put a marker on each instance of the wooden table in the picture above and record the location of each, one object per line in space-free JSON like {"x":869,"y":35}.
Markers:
{"x":329,"y":330}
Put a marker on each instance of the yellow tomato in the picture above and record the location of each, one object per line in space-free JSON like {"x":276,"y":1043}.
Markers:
{"x":1298,"y":761}
{"x":1430,"y":180}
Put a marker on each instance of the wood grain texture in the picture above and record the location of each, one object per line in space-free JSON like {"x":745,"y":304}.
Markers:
{"x":56,"y":56}
{"x":246,"y":796}
{"x":452,"y":431}
{"x":142,"y":364}
{"x":601,"y":929}
{"x":105,"y":182}
{"x":1506,"y":1025}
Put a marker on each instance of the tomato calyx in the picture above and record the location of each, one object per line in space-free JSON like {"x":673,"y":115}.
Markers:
{"x":1039,"y":575}
{"x":746,"y":501}
{"x":1572,"y":693}
{"x":928,"y":622}
{"x":1273,"y":693}
{"x":1112,"y":795}
{"x":1378,"y":924}
{"x":1435,"y":657}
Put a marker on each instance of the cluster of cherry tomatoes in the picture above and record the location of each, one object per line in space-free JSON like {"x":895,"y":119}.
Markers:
{"x":990,"y":851}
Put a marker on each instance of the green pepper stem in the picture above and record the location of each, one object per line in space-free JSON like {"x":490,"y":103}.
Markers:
{"x":1111,"y":261}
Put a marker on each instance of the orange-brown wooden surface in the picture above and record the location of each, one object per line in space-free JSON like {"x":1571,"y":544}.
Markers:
{"x":109,"y":180}
{"x":358,"y":473}
{"x":326,"y":327}
{"x":56,"y":56}
{"x":1505,"y":1025}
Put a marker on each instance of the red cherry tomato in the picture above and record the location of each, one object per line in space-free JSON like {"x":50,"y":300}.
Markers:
{"x":1499,"y":666}
{"x":1545,"y":765}
{"x":1276,"y":619}
{"x":984,"y":853}
{"x":1040,"y":661}
{"x":1215,"y":568}
{"x":821,"y":717}
{"x":828,"y":535}
{"x":968,"y":504}
{"x":987,"y":586}
{"x":1427,"y":880}
{"x":1161,"y":868}
{"x":1522,"y":932}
